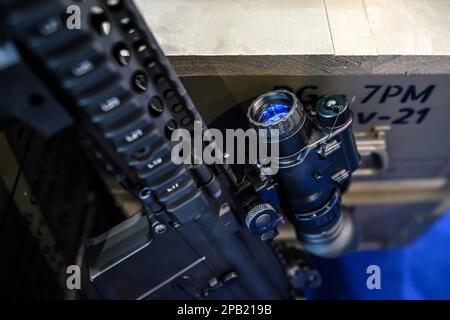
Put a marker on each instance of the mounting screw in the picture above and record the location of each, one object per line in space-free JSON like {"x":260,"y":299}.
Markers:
{"x":160,"y":228}
{"x":331,"y":103}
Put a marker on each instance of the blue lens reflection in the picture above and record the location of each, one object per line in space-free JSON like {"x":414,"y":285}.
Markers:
{"x":274,"y":112}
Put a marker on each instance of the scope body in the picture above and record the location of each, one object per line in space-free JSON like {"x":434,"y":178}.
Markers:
{"x":317,"y":156}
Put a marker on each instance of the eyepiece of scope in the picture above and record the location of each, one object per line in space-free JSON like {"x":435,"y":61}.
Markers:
{"x":329,"y":231}
{"x":274,"y":112}
{"x":282,"y":111}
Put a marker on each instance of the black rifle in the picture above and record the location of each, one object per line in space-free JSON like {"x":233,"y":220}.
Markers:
{"x":205,"y":232}
{"x":112,"y":80}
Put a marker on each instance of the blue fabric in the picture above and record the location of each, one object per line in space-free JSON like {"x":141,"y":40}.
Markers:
{"x":418,"y":271}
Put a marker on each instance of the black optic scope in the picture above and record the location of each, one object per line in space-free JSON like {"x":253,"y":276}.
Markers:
{"x":317,"y":156}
